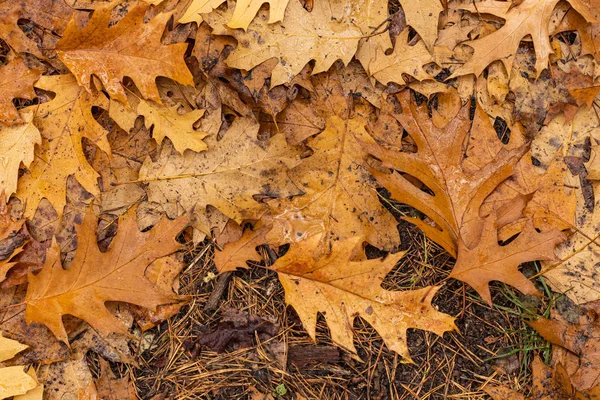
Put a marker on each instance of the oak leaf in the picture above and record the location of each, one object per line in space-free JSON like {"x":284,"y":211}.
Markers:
{"x":14,"y":381}
{"x":17,"y":144}
{"x":423,"y":17}
{"x":489,"y":261}
{"x":243,"y":13}
{"x":130,"y":48}
{"x":342,"y":290}
{"x":405,"y":59}
{"x":165,"y":122}
{"x":110,"y":387}
{"x":530,"y":17}
{"x":580,"y":339}
{"x":304,"y":36}
{"x":95,"y":278}
{"x":438,"y":163}
{"x":63,"y":122}
{"x":16,"y":82}
{"x":231,"y":175}
{"x":548,"y":384}
{"x":340,"y":199}
{"x":52,"y":15}
{"x":235,"y":254}
{"x":458,"y":193}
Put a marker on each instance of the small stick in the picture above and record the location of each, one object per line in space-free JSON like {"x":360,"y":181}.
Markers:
{"x":222,"y":283}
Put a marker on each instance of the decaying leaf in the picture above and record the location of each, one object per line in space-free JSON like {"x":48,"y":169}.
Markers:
{"x":548,"y":384}
{"x":340,"y":198}
{"x":231,"y":175}
{"x":130,"y":48}
{"x":342,"y":290}
{"x":52,"y":15}
{"x":304,"y":36}
{"x":234,"y":255}
{"x":110,"y":387}
{"x":95,"y":277}
{"x":580,"y":339}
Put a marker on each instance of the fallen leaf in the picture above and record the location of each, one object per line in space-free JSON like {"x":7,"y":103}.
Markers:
{"x":582,"y":340}
{"x":164,"y":122}
{"x":95,"y":278}
{"x":231,"y":175}
{"x":13,"y":380}
{"x":110,"y":387}
{"x":63,"y":380}
{"x":489,"y":261}
{"x":16,"y":82}
{"x":340,"y":199}
{"x":343,"y":290}
{"x":304,"y":36}
{"x":63,"y":122}
{"x":405,"y":59}
{"x":234,"y":255}
{"x":548,"y":384}
{"x":438,"y":163}
{"x":530,"y":17}
{"x":130,"y":48}
{"x":51,"y":15}
{"x":243,"y":13}
{"x":17,"y":143}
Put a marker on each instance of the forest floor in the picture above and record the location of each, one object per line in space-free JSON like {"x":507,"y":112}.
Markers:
{"x":251,"y":346}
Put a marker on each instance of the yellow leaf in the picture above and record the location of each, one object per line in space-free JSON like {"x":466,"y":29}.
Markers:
{"x":17,"y":143}
{"x":63,"y":122}
{"x":13,"y":380}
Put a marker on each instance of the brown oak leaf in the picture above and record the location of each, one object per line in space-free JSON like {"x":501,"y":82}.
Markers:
{"x":95,"y":278}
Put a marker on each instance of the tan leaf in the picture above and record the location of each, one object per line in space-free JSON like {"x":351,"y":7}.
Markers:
{"x":95,"y":277}
{"x":342,"y":290}
{"x":130,"y":48}
{"x":340,"y":198}
{"x":68,"y":379}
{"x":404,"y":60}
{"x":166,"y":122}
{"x":63,"y":122}
{"x":243,"y":13}
{"x":580,"y":339}
{"x":16,"y":82}
{"x":423,"y":16}
{"x":17,"y":143}
{"x":231,"y":175}
{"x":304,"y":36}
{"x":13,"y":380}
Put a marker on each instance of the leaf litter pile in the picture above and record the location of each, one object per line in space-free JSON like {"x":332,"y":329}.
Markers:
{"x":299,"y":199}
